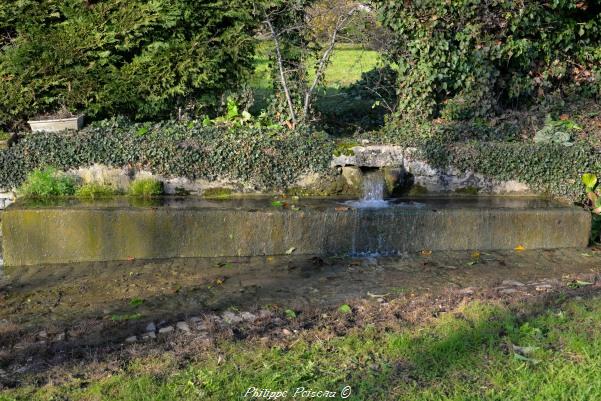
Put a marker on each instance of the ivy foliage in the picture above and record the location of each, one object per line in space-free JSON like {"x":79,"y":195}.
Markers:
{"x":465,"y":59}
{"x":255,"y":156}
{"x":141,"y":58}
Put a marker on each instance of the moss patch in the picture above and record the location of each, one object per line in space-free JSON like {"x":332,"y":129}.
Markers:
{"x":467,"y":191}
{"x":218,"y":193}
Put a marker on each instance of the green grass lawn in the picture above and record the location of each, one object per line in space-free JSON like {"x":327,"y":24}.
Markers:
{"x":468,"y":354}
{"x":347,"y":64}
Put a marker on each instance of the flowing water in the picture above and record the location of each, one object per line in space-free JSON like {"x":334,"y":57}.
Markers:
{"x":373,"y":191}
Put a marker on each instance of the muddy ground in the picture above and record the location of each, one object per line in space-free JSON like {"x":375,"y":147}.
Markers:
{"x":88,"y":320}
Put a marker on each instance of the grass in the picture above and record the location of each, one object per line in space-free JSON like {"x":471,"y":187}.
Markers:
{"x":94,"y":190}
{"x":47,"y":182}
{"x":347,"y":64}
{"x":146,"y":187}
{"x":465,"y":355}
{"x":339,"y":112}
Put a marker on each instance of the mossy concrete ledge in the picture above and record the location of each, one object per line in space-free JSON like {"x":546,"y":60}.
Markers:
{"x":52,"y":235}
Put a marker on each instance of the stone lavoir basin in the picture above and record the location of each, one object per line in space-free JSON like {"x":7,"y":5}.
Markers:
{"x":125,"y":229}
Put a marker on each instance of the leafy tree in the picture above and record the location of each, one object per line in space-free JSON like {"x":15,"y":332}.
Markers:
{"x":472,"y":58}
{"x":147,"y":59}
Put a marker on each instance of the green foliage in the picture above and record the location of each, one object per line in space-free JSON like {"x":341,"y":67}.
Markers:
{"x":345,"y":148}
{"x":141,"y":58}
{"x":556,"y":131}
{"x":590,"y":181}
{"x":466,"y":59}
{"x":47,"y":182}
{"x":146,"y":187}
{"x":94,"y":190}
{"x":252,"y":155}
{"x":345,"y":309}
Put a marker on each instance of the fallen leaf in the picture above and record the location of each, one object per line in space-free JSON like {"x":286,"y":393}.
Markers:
{"x":523,"y":350}
{"x":426,"y":252}
{"x":131,"y":258}
{"x":520,"y":248}
{"x":476,"y":255}
{"x":369,"y":294}
{"x":579,"y":284}
{"x":526,"y":359}
{"x":289,"y":251}
{"x":345,"y":309}
{"x":341,"y":208}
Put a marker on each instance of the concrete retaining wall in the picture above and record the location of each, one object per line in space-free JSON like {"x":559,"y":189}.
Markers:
{"x":62,"y":235}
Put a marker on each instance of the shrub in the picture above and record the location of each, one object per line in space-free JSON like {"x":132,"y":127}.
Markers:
{"x":47,"y":182}
{"x":466,"y":59}
{"x":141,"y":58}
{"x":146,"y":187}
{"x":95,"y":191}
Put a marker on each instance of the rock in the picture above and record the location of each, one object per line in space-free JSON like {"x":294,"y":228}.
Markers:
{"x":512,"y":283}
{"x":183,"y":326}
{"x":151,"y":327}
{"x":166,"y":330}
{"x":60,"y":337}
{"x":380,"y":300}
{"x":43,"y":334}
{"x":195,"y":319}
{"x":264,"y":313}
{"x":466,"y":291}
{"x":394,"y":180}
{"x":131,"y":339}
{"x":231,"y":317}
{"x":247,"y":316}
{"x":508,"y":291}
{"x":149,"y":335}
{"x":544,"y":287}
{"x":286,"y":332}
{"x":353,"y":176}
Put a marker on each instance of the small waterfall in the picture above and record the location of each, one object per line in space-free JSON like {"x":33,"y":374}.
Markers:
{"x":373,"y":186}
{"x":373,"y":191}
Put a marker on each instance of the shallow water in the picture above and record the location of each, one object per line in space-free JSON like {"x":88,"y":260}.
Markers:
{"x":179,"y":288}
{"x":254,"y":203}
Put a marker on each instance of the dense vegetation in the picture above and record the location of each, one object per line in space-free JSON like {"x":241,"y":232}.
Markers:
{"x":138,"y":58}
{"x":466,"y":59}
{"x":264,"y":157}
{"x":518,"y":81}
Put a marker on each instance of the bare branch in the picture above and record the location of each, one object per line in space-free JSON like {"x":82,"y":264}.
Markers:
{"x":280,"y":63}
{"x":340,"y":23}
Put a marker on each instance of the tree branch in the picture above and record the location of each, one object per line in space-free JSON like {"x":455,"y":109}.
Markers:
{"x":324,"y":60}
{"x":280,"y":63}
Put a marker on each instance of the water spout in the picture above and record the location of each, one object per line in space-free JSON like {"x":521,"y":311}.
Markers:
{"x":373,"y":191}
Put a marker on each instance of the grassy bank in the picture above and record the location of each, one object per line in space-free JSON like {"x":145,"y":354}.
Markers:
{"x":482,"y":351}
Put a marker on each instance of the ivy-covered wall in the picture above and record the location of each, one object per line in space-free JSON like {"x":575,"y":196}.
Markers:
{"x":262,"y":157}
{"x":274,"y":159}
